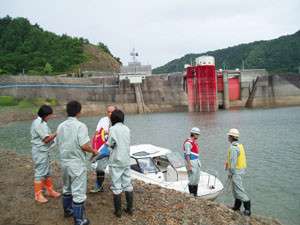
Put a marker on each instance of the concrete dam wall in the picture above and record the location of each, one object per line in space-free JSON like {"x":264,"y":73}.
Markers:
{"x":259,"y":89}
{"x":155,"y":94}
{"x":161,"y":93}
{"x":276,"y":91}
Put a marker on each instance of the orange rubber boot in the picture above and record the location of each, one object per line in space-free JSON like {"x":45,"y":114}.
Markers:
{"x":49,"y":188}
{"x":38,"y":189}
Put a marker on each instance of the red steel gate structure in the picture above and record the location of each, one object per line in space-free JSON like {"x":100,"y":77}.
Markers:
{"x":234,"y":88}
{"x":201,"y":88}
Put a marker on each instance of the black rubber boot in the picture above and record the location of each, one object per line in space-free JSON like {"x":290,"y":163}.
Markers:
{"x":247,"y":206}
{"x":129,"y":200}
{"x":67,"y":205}
{"x":237,"y":205}
{"x":117,"y":203}
{"x":195,"y":190}
{"x":78,"y":209}
{"x":191,"y":189}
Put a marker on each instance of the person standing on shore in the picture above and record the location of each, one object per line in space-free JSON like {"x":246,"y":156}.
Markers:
{"x":192,"y":163}
{"x":99,"y":141}
{"x":119,"y":162}
{"x":41,"y":140}
{"x":73,"y":143}
{"x":236,"y":164}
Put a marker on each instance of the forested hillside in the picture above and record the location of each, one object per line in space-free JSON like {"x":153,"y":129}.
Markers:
{"x":281,"y":55}
{"x":28,"y":48}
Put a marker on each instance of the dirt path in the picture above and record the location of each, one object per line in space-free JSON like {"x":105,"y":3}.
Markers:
{"x":152,"y":204}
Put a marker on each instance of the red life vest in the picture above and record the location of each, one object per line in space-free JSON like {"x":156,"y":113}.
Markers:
{"x":194,"y":151}
{"x":99,"y":144}
{"x":98,"y":139}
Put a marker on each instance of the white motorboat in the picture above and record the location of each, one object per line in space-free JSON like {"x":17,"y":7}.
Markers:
{"x":163,"y":167}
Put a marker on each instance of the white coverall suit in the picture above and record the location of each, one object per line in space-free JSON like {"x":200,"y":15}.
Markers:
{"x":119,"y":160}
{"x":40,"y":150}
{"x":71,"y":134}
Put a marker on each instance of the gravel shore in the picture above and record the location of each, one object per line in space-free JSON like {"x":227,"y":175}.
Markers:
{"x":152,"y":204}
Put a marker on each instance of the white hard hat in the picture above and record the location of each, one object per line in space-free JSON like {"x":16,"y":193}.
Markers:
{"x":195,"y":130}
{"x":234,"y":132}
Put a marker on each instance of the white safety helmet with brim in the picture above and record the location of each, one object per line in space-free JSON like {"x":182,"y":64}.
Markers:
{"x":195,"y":130}
{"x":234,"y":132}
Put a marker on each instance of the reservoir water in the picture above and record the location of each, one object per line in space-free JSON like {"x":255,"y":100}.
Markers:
{"x":271,"y":138}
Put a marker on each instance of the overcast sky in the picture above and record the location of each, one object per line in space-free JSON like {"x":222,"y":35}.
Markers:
{"x":161,"y":30}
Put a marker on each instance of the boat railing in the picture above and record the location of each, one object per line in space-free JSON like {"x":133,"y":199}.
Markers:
{"x":212,"y":173}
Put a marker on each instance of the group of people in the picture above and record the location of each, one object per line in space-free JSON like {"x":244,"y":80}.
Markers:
{"x":235,"y":164}
{"x":73,"y":144}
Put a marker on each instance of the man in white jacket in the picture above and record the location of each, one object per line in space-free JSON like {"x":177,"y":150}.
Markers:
{"x":102,"y":132}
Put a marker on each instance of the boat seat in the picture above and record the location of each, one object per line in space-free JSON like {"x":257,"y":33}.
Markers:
{"x":162,"y":169}
{"x":162,"y":165}
{"x":171,"y":174}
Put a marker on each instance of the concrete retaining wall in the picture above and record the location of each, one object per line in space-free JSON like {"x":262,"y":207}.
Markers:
{"x":259,"y":97}
{"x":160,"y":93}
{"x":274,"y":91}
{"x":282,"y":92}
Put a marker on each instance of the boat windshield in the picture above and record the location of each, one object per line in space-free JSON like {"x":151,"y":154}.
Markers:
{"x":176,"y":159}
{"x":147,"y":165}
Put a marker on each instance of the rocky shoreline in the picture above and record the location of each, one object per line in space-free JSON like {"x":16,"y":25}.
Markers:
{"x":152,"y":204}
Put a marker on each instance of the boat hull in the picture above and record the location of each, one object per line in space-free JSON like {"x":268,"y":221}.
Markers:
{"x":209,"y":187}
{"x":160,"y":166}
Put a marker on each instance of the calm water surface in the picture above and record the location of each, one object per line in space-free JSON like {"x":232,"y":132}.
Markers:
{"x":271,"y":138}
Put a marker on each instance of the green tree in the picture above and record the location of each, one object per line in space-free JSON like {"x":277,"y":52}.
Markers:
{"x":104,"y":47}
{"x":10,"y":68}
{"x":281,"y":55}
{"x":29,"y":47}
{"x":48,"y":68}
{"x":2,"y":71}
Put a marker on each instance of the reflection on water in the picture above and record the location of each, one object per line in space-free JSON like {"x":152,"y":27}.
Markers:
{"x":271,"y":138}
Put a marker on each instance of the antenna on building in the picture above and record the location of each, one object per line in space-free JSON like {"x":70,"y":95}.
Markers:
{"x":134,"y":55}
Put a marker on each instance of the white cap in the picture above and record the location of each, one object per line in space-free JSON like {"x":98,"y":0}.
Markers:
{"x":195,"y":130}
{"x":234,"y":132}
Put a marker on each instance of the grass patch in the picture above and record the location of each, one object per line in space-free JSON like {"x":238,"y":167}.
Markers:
{"x":24,"y":101}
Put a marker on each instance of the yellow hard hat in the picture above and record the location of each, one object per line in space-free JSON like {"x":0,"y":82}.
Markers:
{"x":234,"y":132}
